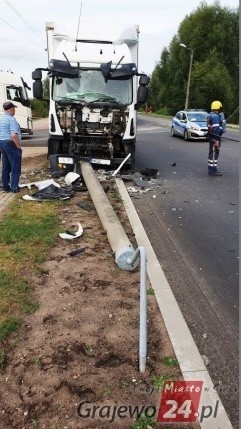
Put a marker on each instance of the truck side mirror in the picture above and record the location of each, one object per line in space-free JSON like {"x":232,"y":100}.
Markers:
{"x":142,"y":94}
{"x":37,"y":74}
{"x":38,"y":89}
{"x":144,"y":80}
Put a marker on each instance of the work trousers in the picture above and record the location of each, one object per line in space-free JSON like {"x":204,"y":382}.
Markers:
{"x":213,"y":156}
{"x":11,"y":165}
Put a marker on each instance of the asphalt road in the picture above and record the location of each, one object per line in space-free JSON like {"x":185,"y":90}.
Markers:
{"x":38,"y":139}
{"x":192,"y":222}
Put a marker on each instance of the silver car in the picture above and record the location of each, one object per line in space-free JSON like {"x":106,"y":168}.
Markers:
{"x":190,"y":124}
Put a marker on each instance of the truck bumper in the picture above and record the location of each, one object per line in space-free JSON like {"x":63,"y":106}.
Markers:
{"x":61,"y":164}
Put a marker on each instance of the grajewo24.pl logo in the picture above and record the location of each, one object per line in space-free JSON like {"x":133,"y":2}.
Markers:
{"x":179,"y":403}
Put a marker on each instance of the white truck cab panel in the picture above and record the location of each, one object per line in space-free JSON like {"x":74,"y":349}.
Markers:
{"x":13,"y":88}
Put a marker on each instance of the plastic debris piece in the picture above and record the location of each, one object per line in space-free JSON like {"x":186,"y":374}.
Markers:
{"x":67,"y":236}
{"x":51,"y":192}
{"x":70,"y":232}
{"x":41,"y":184}
{"x":76,"y":251}
{"x":132,"y":189}
{"x":71,"y":177}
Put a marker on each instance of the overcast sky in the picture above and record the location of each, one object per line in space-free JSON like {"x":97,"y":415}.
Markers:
{"x":22,"y":26}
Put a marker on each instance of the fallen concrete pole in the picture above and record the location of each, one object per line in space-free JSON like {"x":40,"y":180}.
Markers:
{"x":116,"y":235}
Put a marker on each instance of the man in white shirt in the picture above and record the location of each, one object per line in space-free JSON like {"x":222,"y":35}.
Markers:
{"x":10,"y":147}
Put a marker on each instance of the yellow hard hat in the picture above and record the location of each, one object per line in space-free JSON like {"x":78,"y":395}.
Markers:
{"x":216,"y":105}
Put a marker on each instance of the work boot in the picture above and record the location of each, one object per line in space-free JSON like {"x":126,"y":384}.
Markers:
{"x":217,"y":173}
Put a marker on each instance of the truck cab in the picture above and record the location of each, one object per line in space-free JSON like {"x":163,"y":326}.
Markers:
{"x":13,"y":88}
{"x":95,"y":89}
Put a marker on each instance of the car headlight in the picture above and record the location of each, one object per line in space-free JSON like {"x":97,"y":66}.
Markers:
{"x":195,"y":128}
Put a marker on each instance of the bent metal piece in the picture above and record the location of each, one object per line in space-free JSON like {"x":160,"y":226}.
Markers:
{"x":117,"y":237}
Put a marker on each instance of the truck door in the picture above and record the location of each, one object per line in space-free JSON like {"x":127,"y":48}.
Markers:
{"x":23,"y":114}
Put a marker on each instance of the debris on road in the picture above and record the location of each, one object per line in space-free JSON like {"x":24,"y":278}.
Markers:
{"x":85,"y":206}
{"x":69,"y":235}
{"x":76,"y":251}
{"x":149,"y":172}
{"x":51,"y":192}
{"x":71,"y":177}
{"x":41,"y":184}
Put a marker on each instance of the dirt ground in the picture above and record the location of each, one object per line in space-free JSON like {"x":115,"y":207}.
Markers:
{"x":81,"y":345}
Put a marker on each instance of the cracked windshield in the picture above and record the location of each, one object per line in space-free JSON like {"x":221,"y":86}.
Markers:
{"x":91,"y":87}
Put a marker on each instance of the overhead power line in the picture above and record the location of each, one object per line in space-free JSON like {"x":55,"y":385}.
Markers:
{"x":15,"y":10}
{"x":15,"y":29}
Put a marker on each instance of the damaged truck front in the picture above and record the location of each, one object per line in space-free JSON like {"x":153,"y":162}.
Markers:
{"x":94,"y":92}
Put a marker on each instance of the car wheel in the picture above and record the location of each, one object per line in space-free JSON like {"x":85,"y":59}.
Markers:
{"x":173,"y":134}
{"x":186,"y":135}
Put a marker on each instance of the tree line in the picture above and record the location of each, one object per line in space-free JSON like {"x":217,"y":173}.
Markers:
{"x":212,"y":34}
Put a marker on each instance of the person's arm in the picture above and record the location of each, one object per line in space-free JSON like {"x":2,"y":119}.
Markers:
{"x":14,"y":128}
{"x":16,"y":140}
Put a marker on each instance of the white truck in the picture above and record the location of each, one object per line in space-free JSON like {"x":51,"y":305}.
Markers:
{"x":94,"y":91}
{"x":14,"y":88}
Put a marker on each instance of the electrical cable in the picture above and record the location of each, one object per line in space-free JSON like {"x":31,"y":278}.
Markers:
{"x":24,"y":19}
{"x":15,"y":29}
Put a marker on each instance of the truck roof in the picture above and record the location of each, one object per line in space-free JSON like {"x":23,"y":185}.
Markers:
{"x":115,"y":34}
{"x":7,"y":77}
{"x":94,"y":45}
{"x":87,"y":53}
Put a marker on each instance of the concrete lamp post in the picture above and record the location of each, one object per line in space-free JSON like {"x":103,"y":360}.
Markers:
{"x":189,"y":74}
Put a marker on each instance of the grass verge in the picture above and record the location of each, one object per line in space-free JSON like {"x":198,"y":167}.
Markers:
{"x":27,"y":231}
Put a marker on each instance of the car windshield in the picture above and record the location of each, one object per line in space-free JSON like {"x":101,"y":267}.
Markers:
{"x":197,"y":116}
{"x":91,"y":87}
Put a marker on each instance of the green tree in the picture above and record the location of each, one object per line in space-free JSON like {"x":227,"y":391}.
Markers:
{"x":40,"y":108}
{"x":213,"y":34}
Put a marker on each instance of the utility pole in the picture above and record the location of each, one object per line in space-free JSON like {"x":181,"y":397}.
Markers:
{"x":189,"y":74}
